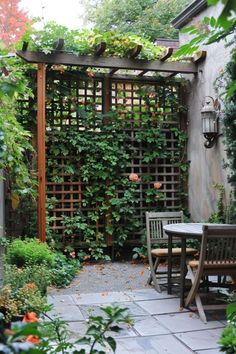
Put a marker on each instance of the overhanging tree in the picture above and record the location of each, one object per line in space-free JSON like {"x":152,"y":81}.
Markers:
{"x":13,"y":21}
{"x":143,"y":17}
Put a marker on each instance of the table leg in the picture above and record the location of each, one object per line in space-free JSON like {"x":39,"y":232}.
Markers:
{"x":182,"y":270}
{"x":169,"y":266}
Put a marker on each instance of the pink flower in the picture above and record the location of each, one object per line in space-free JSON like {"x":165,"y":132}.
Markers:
{"x":72,"y":254}
{"x":133,"y":177}
{"x":157,"y":185}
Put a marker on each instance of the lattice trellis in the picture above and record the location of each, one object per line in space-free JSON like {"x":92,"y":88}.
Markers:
{"x":123,"y":96}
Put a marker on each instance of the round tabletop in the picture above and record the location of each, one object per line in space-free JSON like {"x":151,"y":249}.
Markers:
{"x":188,"y":229}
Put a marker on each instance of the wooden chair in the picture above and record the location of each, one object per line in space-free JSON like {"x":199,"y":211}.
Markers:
{"x":156,"y":236}
{"x":217,"y":257}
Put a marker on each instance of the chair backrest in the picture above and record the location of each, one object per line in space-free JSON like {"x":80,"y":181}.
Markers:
{"x":155,"y":222}
{"x":218,"y":246}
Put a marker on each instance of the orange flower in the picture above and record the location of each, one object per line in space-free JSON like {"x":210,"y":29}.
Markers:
{"x":30,"y":317}
{"x":157,"y":185}
{"x":30,"y":285}
{"x":33,"y":339}
{"x":133,"y":177}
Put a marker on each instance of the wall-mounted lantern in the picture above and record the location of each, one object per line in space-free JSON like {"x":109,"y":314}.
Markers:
{"x":210,"y":126}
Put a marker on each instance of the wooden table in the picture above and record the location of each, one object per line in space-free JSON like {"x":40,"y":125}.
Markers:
{"x":182,"y":231}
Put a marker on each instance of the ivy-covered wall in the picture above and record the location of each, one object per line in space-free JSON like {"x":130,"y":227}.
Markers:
{"x":114,"y":150}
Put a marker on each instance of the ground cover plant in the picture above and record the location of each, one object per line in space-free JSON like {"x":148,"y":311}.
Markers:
{"x":26,"y":261}
{"x":228,"y":337}
{"x":52,"y":336}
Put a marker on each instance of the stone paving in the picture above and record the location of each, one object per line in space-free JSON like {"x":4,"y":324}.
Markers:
{"x":159,"y":327}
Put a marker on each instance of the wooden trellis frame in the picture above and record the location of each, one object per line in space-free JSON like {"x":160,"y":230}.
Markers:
{"x":96,"y":61}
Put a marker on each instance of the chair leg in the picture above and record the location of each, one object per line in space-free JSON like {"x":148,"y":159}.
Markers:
{"x":193,"y":294}
{"x":157,"y":261}
{"x":153,"y":275}
{"x":193,"y":291}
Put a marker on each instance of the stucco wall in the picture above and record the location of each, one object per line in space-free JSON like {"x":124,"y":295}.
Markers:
{"x":206,"y":165}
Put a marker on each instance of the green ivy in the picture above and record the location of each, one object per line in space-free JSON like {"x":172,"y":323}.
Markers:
{"x":84,"y":42}
{"x":229,"y":126}
{"x":15,"y":144}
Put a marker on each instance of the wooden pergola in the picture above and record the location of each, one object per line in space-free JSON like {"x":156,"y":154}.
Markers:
{"x":112,"y":65}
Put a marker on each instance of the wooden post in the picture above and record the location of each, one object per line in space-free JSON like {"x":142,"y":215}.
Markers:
{"x":41,"y":88}
{"x":106,"y":109}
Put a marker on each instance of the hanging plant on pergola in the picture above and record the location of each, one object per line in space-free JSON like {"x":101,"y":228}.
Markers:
{"x":111,"y":69}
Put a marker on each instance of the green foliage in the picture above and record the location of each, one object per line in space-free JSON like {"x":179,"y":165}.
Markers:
{"x":228,"y":337}
{"x":142,"y":17}
{"x":17,"y":277}
{"x":228,"y":340}
{"x":104,"y":151}
{"x":212,"y":30}
{"x":30,"y":299}
{"x":18,"y":302}
{"x":63,"y":270}
{"x":53,"y":335}
{"x":220,"y":216}
{"x":29,"y":252}
{"x":99,"y":326}
{"x":84,"y":42}
{"x":224,"y":82}
{"x":15,"y":146}
{"x":140,"y":252}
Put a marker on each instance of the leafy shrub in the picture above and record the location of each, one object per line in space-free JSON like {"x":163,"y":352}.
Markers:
{"x":228,"y":337}
{"x":228,"y":340}
{"x":64,"y":270}
{"x":29,"y":251}
{"x":40,"y":275}
{"x":25,"y":299}
{"x":52,"y":336}
{"x":31,"y":299}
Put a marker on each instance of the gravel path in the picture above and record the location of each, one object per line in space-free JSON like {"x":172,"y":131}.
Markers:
{"x":117,"y":276}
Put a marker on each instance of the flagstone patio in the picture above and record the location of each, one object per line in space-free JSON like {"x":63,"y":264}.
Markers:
{"x":159,"y":325}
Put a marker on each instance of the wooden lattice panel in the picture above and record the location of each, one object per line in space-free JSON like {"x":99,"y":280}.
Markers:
{"x":63,"y":111}
{"x":126,"y":98}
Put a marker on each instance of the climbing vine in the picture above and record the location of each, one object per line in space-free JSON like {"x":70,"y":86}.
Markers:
{"x":98,"y":152}
{"x":229,"y":127}
{"x":15,"y":141}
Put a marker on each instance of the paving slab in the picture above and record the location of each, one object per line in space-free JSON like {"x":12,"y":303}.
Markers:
{"x":100,"y":298}
{"x":161,"y":306}
{"x":148,"y":294}
{"x":199,"y":340}
{"x":159,"y":325}
{"x":67,"y":313}
{"x":78,"y":330}
{"x":163,"y":344}
{"x":95,"y":310}
{"x":185,"y":322}
{"x":60,"y":300}
{"x":148,"y":326}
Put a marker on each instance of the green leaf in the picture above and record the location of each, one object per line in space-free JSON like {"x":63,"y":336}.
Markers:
{"x":112,"y":343}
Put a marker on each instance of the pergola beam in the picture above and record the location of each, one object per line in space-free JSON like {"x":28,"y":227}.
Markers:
{"x":112,"y":63}
{"x":59,"y":44}
{"x":167,"y":54}
{"x":135,"y":52}
{"x":100,"y":49}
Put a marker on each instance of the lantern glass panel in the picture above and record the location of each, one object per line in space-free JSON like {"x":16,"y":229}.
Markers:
{"x":209,"y":122}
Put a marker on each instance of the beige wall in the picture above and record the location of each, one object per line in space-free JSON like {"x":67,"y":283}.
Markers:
{"x":206,"y":166}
